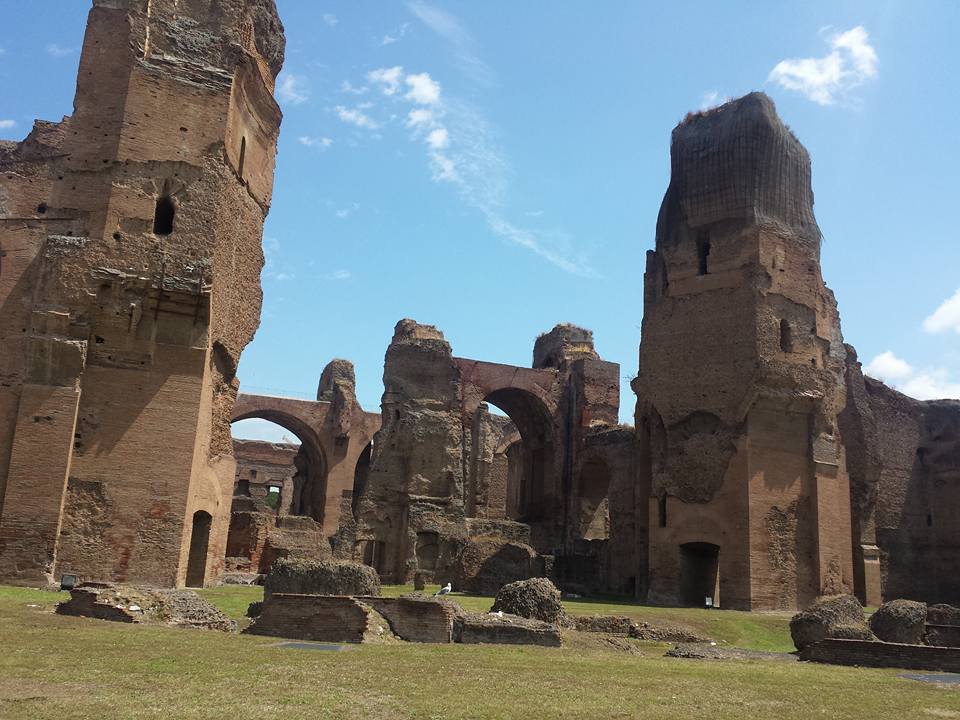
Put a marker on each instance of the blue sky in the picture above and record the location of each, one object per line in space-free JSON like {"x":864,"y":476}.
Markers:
{"x":496,"y":168}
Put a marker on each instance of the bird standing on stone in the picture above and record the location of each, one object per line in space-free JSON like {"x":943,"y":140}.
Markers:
{"x":443,"y":591}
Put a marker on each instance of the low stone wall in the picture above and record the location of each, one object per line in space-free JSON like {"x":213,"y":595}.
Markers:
{"x":416,"y":620}
{"x":344,"y":619}
{"x":942,"y":635}
{"x":473,"y":628}
{"x":142,"y":604}
{"x":322,"y":618}
{"x":880,"y":654}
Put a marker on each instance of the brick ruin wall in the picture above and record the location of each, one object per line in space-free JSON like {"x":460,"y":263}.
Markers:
{"x":462,"y":494}
{"x":764,"y":468}
{"x":131,"y":234}
{"x":904,"y":460}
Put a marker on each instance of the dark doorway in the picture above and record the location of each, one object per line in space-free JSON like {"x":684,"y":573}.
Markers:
{"x":163,"y":216}
{"x":199,"y":541}
{"x":699,"y":573}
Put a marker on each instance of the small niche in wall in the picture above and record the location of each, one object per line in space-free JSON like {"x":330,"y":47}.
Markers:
{"x":786,"y":336}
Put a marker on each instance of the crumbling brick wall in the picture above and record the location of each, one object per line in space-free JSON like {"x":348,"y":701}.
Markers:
{"x":135,"y":290}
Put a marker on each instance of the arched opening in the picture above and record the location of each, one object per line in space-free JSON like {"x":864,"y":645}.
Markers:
{"x":163,"y":215}
{"x":515,"y":482}
{"x":593,"y":518}
{"x":427,"y":550}
{"x":703,"y":253}
{"x":361,"y":474}
{"x":699,"y":573}
{"x":243,"y":156}
{"x":786,"y":336}
{"x":277,"y":454}
{"x":199,"y":542}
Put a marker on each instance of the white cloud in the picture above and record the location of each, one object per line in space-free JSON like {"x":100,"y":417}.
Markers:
{"x":438,"y":138}
{"x":424,"y":90}
{"x":330,"y":19}
{"x":931,"y":385}
{"x":339,"y":275}
{"x":57,"y":51}
{"x":925,"y":384}
{"x":344,"y":213}
{"x":389,"y":39}
{"x":292,"y":89}
{"x":271,"y":256}
{"x":387,"y":78}
{"x":461,"y":41}
{"x":420,"y":118}
{"x":712,"y":99}
{"x":946,"y":317}
{"x":321,"y":143}
{"x":850,"y":62}
{"x":356,"y":117}
{"x":7,"y":124}
{"x":887,"y":366}
{"x":346,"y":87}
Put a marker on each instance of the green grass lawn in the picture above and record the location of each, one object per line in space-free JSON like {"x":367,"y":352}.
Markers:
{"x":65,"y":667}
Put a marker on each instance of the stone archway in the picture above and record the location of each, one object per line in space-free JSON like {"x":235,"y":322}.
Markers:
{"x":309,"y":499}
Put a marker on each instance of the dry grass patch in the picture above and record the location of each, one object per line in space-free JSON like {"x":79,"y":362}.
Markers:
{"x":66,"y":667}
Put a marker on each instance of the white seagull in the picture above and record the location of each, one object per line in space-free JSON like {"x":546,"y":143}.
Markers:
{"x":444,"y":590}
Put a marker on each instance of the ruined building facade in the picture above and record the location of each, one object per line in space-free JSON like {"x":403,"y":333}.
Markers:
{"x":130,"y":236}
{"x":456,"y":491}
{"x":741,"y":375}
{"x":763,"y":470}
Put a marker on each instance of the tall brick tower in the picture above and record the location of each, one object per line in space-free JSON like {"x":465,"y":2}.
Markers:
{"x":129,"y":285}
{"x":741,"y":374}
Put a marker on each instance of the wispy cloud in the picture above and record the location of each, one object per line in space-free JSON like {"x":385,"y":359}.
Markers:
{"x":346,"y":87}
{"x":345,"y":212}
{"x":338,"y":275}
{"x":946,"y":317}
{"x":330,"y":19}
{"x":292,"y":89}
{"x":461,"y":151}
{"x":923,"y":384}
{"x":850,"y":63}
{"x":387,"y":78}
{"x":356,"y":117}
{"x":711,"y":99}
{"x":321,"y":143}
{"x":460,"y":39}
{"x":58,"y":51}
{"x":389,"y":38}
{"x":271,"y":256}
{"x":7,"y":124}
